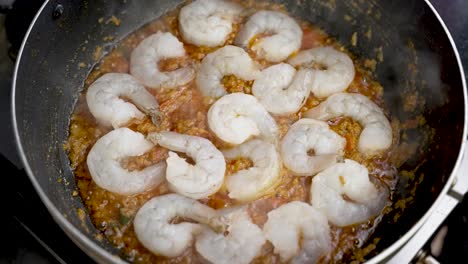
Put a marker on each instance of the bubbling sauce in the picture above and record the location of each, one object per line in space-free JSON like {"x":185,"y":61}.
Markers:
{"x":185,"y":111}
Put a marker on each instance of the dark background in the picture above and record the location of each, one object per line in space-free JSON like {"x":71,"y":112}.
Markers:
{"x":29,"y":234}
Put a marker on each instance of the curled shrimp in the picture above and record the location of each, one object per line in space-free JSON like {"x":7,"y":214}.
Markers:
{"x":236,"y":117}
{"x":350,"y":178}
{"x":229,"y":60}
{"x":105,"y":105}
{"x":194,"y":181}
{"x":250,"y":184}
{"x":242,"y":243}
{"x":208,"y":22}
{"x":104,"y":163}
{"x":282,"y":89}
{"x":299,"y":232}
{"x":286,"y":35}
{"x":333,"y":70}
{"x":155,"y":231}
{"x":376,"y":135}
{"x":305,"y":135}
{"x":146,"y":56}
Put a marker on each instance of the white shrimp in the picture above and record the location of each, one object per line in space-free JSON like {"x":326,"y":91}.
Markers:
{"x":350,"y":178}
{"x":194,"y":181}
{"x":282,"y":89}
{"x":376,"y":135}
{"x":333,"y":70}
{"x":155,"y":231}
{"x":208,"y":22}
{"x":286,"y":38}
{"x":309,"y":134}
{"x":229,"y":60}
{"x":104,"y":163}
{"x":250,"y":184}
{"x":299,"y":232}
{"x":236,"y":117}
{"x":106,"y":106}
{"x":146,"y":56}
{"x":241,"y":245}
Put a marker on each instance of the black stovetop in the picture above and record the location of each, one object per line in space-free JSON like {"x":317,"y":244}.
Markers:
{"x":29,"y":234}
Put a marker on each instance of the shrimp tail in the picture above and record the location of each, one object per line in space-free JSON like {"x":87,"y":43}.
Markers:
{"x":156,"y":116}
{"x":318,"y":113}
{"x":218,"y":224}
{"x":154,"y":137}
{"x":321,"y":162}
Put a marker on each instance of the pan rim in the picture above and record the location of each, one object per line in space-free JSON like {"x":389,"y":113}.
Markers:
{"x":101,"y":255}
{"x":398,"y":244}
{"x":83,"y":242}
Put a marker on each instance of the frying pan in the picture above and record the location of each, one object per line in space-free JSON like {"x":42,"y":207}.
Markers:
{"x":415,"y":58}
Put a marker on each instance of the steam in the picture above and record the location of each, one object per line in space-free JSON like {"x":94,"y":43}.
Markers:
{"x":395,"y":35}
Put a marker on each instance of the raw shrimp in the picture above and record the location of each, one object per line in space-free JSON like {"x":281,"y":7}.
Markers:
{"x":155,"y":230}
{"x":376,"y":135}
{"x":299,"y":232}
{"x":241,"y":245}
{"x":282,"y":89}
{"x":208,"y":22}
{"x":104,"y":163}
{"x":333,"y":70}
{"x":250,"y":184}
{"x":229,"y":60}
{"x":364,"y":199}
{"x":305,"y":135}
{"x":236,"y":117}
{"x":146,"y":56}
{"x":106,"y":106}
{"x":194,"y":181}
{"x":286,"y":38}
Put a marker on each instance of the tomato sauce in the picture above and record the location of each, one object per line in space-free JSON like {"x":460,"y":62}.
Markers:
{"x":184,"y":111}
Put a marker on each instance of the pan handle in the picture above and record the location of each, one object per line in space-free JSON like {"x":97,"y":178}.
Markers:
{"x":412,"y":250}
{"x":460,"y":185}
{"x":457,"y":192}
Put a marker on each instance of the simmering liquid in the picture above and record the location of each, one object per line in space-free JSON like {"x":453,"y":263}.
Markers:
{"x":185,"y":111}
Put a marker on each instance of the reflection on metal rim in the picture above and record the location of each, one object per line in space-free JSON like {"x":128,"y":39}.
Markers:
{"x":101,"y":255}
{"x":384,"y":255}
{"x":83,"y":242}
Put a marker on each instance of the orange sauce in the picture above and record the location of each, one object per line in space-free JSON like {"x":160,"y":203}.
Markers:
{"x":184,"y":111}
